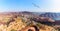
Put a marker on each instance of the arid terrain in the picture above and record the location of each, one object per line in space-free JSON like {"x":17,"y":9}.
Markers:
{"x":26,"y":21}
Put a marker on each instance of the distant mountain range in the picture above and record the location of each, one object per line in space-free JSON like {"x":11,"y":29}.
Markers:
{"x":55,"y":16}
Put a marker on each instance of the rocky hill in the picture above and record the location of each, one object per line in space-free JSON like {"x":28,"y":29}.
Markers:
{"x":24,"y":21}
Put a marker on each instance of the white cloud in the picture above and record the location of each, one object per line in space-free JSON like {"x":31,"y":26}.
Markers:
{"x":56,"y":3}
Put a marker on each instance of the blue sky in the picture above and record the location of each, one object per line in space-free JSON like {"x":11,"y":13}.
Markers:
{"x":30,"y":5}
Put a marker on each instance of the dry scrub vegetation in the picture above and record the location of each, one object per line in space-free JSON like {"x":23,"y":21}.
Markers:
{"x":19,"y":22}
